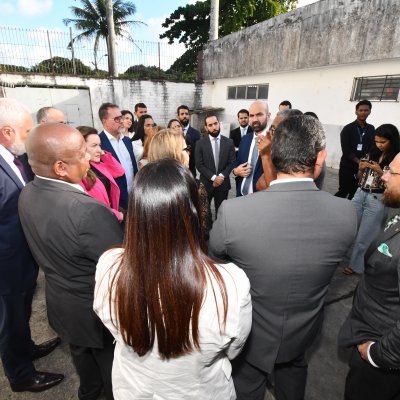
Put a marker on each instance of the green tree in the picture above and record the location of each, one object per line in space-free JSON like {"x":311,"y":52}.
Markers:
{"x":61,"y":66}
{"x":91,"y":19}
{"x":190,"y":24}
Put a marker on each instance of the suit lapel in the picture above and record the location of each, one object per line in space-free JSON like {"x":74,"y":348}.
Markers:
{"x":106,"y":145}
{"x":7,"y":169}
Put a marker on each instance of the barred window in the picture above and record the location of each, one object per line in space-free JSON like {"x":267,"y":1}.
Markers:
{"x":376,"y":88}
{"x":249,"y":92}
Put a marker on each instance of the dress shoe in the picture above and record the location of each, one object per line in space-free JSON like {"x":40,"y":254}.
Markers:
{"x":39,"y":382}
{"x":41,"y":350}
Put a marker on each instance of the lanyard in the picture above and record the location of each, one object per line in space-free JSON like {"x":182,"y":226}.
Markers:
{"x":361,"y":132}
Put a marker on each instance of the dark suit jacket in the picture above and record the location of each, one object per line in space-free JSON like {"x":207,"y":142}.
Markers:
{"x":289,"y":240}
{"x":206,"y":165}
{"x":192,"y":136}
{"x":242,"y":157}
{"x":349,"y":139}
{"x":236,"y":135}
{"x":18,"y":270}
{"x":67,"y":231}
{"x":121,"y":181}
{"x":376,"y":307}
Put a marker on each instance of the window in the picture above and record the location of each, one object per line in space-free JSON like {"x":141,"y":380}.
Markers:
{"x":250,"y":92}
{"x":376,"y":88}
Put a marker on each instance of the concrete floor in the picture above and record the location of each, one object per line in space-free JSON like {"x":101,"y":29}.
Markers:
{"x":327,"y":367}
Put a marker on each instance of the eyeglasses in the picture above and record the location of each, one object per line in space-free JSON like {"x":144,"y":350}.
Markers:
{"x":387,"y":170}
{"x":188,"y":149}
{"x":117,"y":119}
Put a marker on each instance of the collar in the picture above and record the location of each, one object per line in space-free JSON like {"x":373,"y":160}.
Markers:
{"x":75,"y":185}
{"x":289,"y":180}
{"x":111,"y":137}
{"x":212,"y":137}
{"x":264,"y":132}
{"x":6,"y":154}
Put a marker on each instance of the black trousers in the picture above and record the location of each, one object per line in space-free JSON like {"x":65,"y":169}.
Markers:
{"x":348,"y":183}
{"x":218,"y":194}
{"x":94,"y":368}
{"x":365,"y":382}
{"x":15,"y":336}
{"x":289,"y":380}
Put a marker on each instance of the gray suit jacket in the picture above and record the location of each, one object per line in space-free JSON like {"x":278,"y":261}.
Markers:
{"x":205,"y":162}
{"x":289,"y":240}
{"x":376,"y":307}
{"x":67,"y":231}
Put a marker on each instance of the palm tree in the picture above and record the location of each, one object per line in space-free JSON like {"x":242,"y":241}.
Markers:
{"x":91,"y":19}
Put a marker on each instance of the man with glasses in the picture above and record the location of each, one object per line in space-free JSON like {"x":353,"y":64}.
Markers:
{"x":120,"y":146}
{"x":373,"y":326}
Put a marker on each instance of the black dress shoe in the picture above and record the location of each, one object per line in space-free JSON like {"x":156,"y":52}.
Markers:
{"x":41,"y":350}
{"x":39,"y":382}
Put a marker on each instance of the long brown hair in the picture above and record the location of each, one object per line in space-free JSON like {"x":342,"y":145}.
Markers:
{"x":164,"y":271}
{"x":90,"y":178}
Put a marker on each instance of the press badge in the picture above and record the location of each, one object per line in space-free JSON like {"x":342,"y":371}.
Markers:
{"x":359,"y":147}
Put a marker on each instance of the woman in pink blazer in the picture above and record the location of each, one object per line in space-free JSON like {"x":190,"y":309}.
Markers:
{"x":99,"y":182}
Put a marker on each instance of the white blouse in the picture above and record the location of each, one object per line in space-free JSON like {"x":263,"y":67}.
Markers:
{"x":204,"y":374}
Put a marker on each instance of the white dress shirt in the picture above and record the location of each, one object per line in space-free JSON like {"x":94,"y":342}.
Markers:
{"x":123,"y":155}
{"x":9,"y":159}
{"x":75,"y":185}
{"x":198,"y":375}
{"x":212,"y":140}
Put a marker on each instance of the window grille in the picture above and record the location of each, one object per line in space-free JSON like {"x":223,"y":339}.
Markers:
{"x":248,"y":92}
{"x":376,"y":88}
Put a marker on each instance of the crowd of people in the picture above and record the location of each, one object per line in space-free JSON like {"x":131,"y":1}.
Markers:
{"x":157,"y":300}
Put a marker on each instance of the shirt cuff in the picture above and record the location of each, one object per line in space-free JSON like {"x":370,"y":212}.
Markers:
{"x":221,"y":175}
{"x":369,"y":356}
{"x":213,"y":177}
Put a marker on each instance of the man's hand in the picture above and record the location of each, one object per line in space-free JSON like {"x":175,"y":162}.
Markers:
{"x":242,"y":170}
{"x":264,"y":144}
{"x":363,"y":350}
{"x":218,"y":181}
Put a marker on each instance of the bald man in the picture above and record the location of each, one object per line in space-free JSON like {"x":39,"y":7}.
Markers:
{"x":18,"y":270}
{"x":49,"y":115}
{"x":248,"y":167}
{"x":67,"y":231}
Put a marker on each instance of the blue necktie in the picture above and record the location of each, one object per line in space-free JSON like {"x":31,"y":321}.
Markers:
{"x":249,"y":180}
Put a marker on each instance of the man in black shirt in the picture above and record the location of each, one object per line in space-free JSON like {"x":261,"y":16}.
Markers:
{"x":356,"y":140}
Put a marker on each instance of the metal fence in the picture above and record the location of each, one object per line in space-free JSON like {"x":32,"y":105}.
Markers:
{"x":54,"y":52}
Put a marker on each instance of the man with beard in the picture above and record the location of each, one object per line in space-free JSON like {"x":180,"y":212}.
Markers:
{"x":373,"y":327}
{"x":191,"y":135}
{"x":243,"y":128}
{"x":215,"y":155}
{"x":248,"y":167}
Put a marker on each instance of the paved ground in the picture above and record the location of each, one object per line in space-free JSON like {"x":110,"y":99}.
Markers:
{"x":327,"y":368}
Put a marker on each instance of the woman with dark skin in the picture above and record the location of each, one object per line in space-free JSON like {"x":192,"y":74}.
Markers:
{"x":177,"y":316}
{"x":367,"y":200}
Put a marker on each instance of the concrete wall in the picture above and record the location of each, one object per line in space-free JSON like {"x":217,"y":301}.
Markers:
{"x":161,"y":98}
{"x":329,"y":32}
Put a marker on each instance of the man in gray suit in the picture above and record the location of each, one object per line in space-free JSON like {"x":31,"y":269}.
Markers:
{"x":373,"y":327}
{"x":67,"y":231}
{"x":289,"y":240}
{"x":214,"y":157}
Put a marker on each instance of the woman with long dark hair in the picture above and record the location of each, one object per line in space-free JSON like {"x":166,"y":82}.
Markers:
{"x":127,"y":122}
{"x":370,"y":210}
{"x":177,"y":316}
{"x":144,"y":129}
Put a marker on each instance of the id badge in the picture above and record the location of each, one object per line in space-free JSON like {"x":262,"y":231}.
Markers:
{"x":359,"y":147}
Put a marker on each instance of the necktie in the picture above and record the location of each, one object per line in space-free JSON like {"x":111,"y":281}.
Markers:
{"x":243,"y":131}
{"x":392,"y":221}
{"x":216,"y":153}
{"x":249,"y":180}
{"x":20,"y":166}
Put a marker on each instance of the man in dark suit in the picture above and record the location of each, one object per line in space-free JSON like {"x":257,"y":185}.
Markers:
{"x":140,"y":109}
{"x":18,"y":270}
{"x":248,"y":166}
{"x":243,"y":128}
{"x":120,"y":146}
{"x":191,"y":135}
{"x":215,"y":155}
{"x":356,"y":140}
{"x":67,"y":231}
{"x":289,"y":239}
{"x":373,"y":327}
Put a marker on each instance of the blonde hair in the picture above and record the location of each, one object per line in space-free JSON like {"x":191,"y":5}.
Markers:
{"x":166,"y":143}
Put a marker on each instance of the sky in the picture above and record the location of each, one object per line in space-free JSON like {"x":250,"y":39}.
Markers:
{"x":49,"y":14}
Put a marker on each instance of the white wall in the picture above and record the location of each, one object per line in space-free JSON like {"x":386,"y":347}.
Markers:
{"x":161,"y":98}
{"x":325,"y":90}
